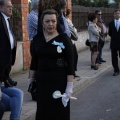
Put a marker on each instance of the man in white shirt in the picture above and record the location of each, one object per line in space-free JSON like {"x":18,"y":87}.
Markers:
{"x":7,"y":44}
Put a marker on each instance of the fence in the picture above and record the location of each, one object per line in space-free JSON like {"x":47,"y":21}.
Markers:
{"x":80,"y":16}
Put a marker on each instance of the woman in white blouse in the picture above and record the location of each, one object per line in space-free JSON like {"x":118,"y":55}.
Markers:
{"x":93,"y":39}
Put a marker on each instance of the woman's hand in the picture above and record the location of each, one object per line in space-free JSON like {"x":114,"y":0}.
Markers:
{"x":69,"y":89}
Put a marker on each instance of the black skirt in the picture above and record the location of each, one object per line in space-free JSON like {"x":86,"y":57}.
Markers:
{"x":49,"y":108}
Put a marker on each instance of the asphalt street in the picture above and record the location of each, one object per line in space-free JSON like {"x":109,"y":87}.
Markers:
{"x":99,"y":101}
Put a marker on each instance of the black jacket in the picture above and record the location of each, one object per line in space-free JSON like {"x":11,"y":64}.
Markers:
{"x":115,"y":36}
{"x":7,"y":56}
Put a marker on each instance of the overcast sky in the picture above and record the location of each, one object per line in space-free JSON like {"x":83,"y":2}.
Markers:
{"x":111,"y":1}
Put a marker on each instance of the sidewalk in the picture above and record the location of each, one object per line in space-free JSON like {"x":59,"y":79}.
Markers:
{"x":87,"y":76}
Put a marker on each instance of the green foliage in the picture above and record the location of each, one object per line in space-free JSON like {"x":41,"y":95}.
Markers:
{"x":116,"y":3}
{"x":15,"y":12}
{"x":93,"y":3}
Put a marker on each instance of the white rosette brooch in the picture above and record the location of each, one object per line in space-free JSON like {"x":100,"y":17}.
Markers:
{"x":60,"y":46}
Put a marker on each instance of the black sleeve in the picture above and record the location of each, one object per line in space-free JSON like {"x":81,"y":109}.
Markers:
{"x":110,"y":30}
{"x":68,"y":54}
{"x":34,"y":58}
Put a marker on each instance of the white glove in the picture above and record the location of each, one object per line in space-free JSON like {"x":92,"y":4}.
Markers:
{"x":69,"y":89}
{"x":65,"y":100}
{"x":68,"y":92}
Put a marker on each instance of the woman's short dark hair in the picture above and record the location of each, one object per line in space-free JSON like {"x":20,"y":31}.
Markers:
{"x":48,"y":12}
{"x":91,"y":16}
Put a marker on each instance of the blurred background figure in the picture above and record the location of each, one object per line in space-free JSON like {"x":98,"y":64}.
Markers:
{"x":32,"y":22}
{"x":93,"y":39}
{"x":74,"y":35}
{"x":103,"y":32}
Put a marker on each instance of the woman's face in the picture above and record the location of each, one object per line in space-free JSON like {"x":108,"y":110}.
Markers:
{"x":50,"y":23}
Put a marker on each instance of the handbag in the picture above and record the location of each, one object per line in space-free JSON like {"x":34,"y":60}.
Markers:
{"x":87,"y":43}
{"x":32,"y":90}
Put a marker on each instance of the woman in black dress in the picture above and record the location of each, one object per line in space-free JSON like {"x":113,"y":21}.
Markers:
{"x":52,"y":66}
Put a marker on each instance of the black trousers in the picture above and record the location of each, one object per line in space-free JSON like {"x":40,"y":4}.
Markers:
{"x":115,"y":53}
{"x":5,"y":71}
{"x":75,"y":57}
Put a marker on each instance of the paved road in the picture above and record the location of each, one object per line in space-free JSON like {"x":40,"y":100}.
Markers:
{"x":99,"y":101}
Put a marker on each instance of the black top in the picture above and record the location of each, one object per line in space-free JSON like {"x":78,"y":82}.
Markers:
{"x":48,"y":56}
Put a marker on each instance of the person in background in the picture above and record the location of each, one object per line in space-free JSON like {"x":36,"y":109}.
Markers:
{"x":93,"y":39}
{"x":104,"y":31}
{"x":32,"y":21}
{"x":32,"y":25}
{"x":114,"y":33}
{"x":52,"y":66}
{"x":11,"y":98}
{"x":67,"y":14}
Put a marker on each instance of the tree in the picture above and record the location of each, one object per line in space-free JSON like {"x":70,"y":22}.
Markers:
{"x":101,"y":3}
{"x":93,"y":3}
{"x":117,"y":2}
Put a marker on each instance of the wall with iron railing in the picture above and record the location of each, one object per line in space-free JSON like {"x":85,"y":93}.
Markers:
{"x":80,"y":16}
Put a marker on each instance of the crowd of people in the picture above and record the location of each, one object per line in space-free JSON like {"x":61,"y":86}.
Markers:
{"x":53,"y":56}
{"x":97,"y":34}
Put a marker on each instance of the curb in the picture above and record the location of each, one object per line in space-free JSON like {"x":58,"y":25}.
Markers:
{"x":84,"y":82}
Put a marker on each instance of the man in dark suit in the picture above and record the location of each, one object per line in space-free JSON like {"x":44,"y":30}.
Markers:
{"x":7,"y":44}
{"x":114,"y":32}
